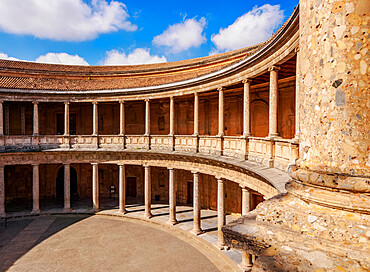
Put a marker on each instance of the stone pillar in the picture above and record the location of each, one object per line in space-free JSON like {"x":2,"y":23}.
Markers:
{"x":246,"y":108}
{"x":147,"y":117}
{"x":172,"y":116}
{"x":297,"y":97}
{"x":172,"y":197}
{"x":196,"y":205}
{"x":148,"y":192}
{"x":23,"y":120}
{"x":95,"y":118}
{"x":7,"y":121}
{"x":1,"y":119}
{"x":2,"y":191}
{"x":220,"y":212}
{"x":66,"y":118}
{"x":95,"y":186}
{"x":273,"y":101}
{"x":35,"y":118}
{"x":246,"y":263}
{"x":334,"y":96}
{"x":196,"y":114}
{"x":36,"y":189}
{"x":67,"y":187}
{"x":221,"y":124}
{"x":246,"y":200}
{"x":122,"y":118}
{"x":122,"y":188}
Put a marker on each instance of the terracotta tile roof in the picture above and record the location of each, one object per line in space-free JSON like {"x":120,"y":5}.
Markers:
{"x":41,"y":76}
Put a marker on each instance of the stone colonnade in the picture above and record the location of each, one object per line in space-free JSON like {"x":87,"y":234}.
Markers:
{"x":147,"y":195}
{"x":273,"y":105}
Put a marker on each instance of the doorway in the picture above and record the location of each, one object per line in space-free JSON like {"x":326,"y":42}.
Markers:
{"x":131,"y":187}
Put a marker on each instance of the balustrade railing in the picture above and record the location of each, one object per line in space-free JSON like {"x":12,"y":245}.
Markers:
{"x":278,"y":153}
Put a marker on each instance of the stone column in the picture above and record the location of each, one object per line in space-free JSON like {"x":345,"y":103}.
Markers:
{"x":148,"y":192}
{"x":1,"y":119}
{"x":172,"y":197}
{"x":122,"y":188}
{"x":95,"y":118}
{"x":67,"y":187}
{"x":7,"y":121}
{"x":66,"y":118}
{"x":246,"y":200}
{"x":23,"y":120}
{"x":221,"y":124}
{"x":36,"y":189}
{"x":122,"y":118}
{"x":196,"y":205}
{"x":246,"y":108}
{"x":172,"y":116}
{"x":2,"y":191}
{"x":35,"y":118}
{"x":220,"y":212}
{"x":273,"y":101}
{"x":246,"y":263}
{"x":297,"y":97}
{"x":95,"y":186}
{"x":147,"y":117}
{"x":196,"y":114}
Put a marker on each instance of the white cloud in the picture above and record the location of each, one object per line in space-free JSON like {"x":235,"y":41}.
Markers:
{"x":5,"y":56}
{"x":61,"y":58}
{"x":63,"y":20}
{"x":138,"y":56}
{"x":182,"y":36}
{"x":251,"y":28}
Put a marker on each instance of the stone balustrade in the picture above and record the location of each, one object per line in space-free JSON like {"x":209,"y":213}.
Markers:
{"x":271,"y":152}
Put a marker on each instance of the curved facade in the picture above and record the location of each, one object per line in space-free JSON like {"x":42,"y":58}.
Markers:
{"x":217,"y":132}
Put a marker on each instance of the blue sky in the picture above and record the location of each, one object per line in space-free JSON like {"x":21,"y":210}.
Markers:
{"x":98,"y":32}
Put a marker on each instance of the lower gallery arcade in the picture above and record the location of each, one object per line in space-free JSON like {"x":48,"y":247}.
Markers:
{"x":29,"y":187}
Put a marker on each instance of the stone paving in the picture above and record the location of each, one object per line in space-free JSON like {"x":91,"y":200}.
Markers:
{"x":160,"y":217}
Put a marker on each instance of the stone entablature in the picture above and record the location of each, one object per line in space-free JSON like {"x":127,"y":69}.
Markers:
{"x":246,"y":174}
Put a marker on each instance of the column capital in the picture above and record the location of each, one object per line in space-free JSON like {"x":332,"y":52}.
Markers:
{"x":195,"y":172}
{"x":121,"y":101}
{"x":146,"y":165}
{"x":66,"y":163}
{"x":219,"y":179}
{"x":66,"y":102}
{"x":147,"y":100}
{"x":247,"y":81}
{"x":94,"y":163}
{"x":35,"y":102}
{"x":170,"y":168}
{"x":35,"y":164}
{"x":274,"y":68}
{"x":220,"y":88}
{"x":196,"y":93}
{"x":121,"y":164}
{"x":1,"y":101}
{"x":245,"y":188}
{"x":95,"y":102}
{"x":296,"y":50}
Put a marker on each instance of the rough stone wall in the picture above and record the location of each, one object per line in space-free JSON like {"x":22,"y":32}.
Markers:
{"x":335,"y":102}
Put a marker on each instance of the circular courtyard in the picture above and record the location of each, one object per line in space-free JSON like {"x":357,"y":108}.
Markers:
{"x":100,"y":243}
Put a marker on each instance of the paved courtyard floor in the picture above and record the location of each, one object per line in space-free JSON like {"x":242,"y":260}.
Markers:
{"x":110,"y":241}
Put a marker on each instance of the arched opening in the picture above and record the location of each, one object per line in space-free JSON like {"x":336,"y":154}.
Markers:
{"x":60,"y":183}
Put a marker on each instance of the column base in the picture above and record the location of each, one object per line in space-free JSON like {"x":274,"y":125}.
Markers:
{"x":172,"y":222}
{"x":36,"y":211}
{"x":245,"y":268}
{"x":197,"y":231}
{"x":67,"y":210}
{"x":221,"y":246}
{"x":96,"y":209}
{"x":148,"y":215}
{"x":123,"y":211}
